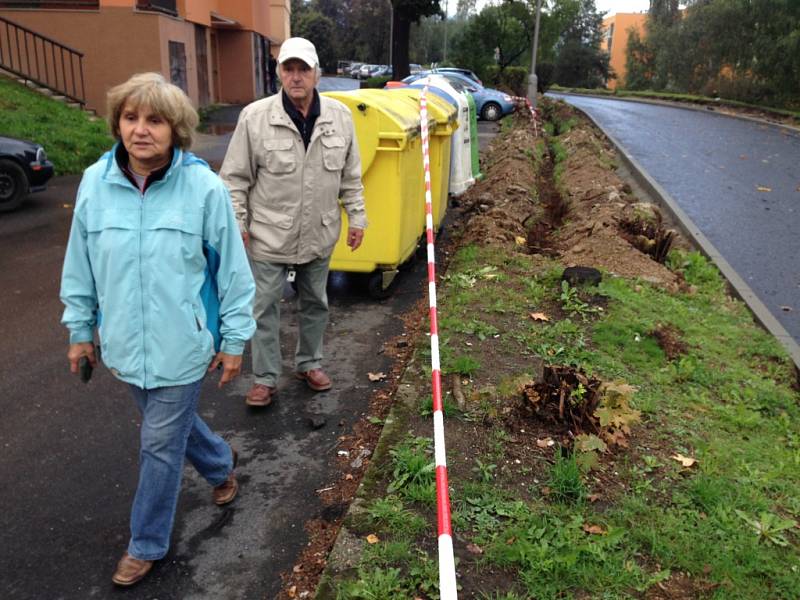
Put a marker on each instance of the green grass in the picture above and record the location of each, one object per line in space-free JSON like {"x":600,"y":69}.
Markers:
{"x":73,"y":140}
{"x":726,"y":526}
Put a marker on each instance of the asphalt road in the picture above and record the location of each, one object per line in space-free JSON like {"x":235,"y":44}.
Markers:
{"x":738,"y":180}
{"x":68,"y":465}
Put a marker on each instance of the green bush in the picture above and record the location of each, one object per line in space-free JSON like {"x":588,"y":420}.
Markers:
{"x":376,"y":82}
{"x":512,"y":79}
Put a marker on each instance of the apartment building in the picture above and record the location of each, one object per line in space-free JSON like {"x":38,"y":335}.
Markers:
{"x":616,"y":29}
{"x":215,"y":50}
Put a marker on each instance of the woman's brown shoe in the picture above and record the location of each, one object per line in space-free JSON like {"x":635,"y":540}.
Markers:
{"x":227,"y":490}
{"x":131,"y":570}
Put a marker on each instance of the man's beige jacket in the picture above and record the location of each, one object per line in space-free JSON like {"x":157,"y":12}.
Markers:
{"x":287,"y":197}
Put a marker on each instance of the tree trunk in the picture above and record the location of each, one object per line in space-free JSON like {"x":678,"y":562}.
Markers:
{"x":401,"y":31}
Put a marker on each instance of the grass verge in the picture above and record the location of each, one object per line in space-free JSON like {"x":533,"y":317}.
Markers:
{"x":684,"y":484}
{"x":72,"y":138}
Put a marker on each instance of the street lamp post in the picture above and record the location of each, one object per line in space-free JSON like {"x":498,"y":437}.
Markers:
{"x":532,"y":79}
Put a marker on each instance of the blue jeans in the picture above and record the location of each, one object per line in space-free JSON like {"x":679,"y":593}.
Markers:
{"x":171,"y":429}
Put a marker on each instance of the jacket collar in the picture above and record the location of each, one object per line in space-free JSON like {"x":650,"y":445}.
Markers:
{"x":114,"y":174}
{"x":279,"y":117}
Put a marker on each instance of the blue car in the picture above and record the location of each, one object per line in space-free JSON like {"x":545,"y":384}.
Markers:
{"x":490,"y":104}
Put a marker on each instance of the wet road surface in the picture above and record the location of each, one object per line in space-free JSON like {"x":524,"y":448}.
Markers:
{"x":738,"y":180}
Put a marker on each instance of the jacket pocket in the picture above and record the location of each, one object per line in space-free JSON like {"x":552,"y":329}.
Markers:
{"x":331,"y":226}
{"x":280,"y":157}
{"x":272,"y":230}
{"x":334,"y":152}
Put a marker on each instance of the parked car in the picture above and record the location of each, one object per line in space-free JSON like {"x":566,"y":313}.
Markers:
{"x":490,"y":104}
{"x":467,"y":72}
{"x":24,"y":168}
{"x":355,"y":69}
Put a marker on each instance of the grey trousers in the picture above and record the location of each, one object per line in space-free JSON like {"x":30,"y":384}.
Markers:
{"x":312,"y":316}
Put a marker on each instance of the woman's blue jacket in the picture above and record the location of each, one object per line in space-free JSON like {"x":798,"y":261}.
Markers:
{"x":163,"y":275}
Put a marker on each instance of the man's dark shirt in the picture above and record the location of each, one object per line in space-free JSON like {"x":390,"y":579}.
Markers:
{"x":305,"y":125}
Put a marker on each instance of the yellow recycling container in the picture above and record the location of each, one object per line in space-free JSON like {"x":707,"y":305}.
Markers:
{"x":445,"y":116}
{"x":394,"y":186}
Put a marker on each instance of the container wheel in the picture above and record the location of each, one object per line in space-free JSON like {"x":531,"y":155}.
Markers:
{"x":376,"y":289}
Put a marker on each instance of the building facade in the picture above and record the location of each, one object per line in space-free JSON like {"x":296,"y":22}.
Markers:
{"x":215,"y":50}
{"x":616,"y":30}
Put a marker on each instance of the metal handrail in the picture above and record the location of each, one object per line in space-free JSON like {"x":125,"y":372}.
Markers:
{"x":42,"y":60}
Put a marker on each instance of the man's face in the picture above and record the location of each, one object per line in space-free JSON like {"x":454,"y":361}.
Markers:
{"x":298,"y":80}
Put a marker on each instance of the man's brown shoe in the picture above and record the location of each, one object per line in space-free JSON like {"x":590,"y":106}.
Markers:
{"x":259,"y":395}
{"x":226,"y":491}
{"x":316,"y":379}
{"x":131,"y":570}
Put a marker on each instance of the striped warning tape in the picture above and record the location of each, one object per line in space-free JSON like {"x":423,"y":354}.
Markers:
{"x":532,"y":110}
{"x":447,"y":568}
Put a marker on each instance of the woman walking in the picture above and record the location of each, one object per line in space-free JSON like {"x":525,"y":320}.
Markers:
{"x":155,"y":263}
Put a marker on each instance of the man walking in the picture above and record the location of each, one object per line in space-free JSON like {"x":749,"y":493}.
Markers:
{"x":292,"y":158}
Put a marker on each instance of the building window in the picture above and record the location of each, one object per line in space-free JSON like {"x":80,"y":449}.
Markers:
{"x":165,"y":6}
{"x":52,"y":4}
{"x":177,"y":65}
{"x":610,"y":37}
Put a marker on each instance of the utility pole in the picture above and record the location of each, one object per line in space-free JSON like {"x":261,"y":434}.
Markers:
{"x":532,"y":79}
{"x":391,"y":34}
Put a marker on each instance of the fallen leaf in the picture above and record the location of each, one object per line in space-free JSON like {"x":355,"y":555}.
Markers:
{"x":511,"y":540}
{"x":763,"y":188}
{"x":786,"y":308}
{"x":373,"y":539}
{"x":593,"y":529}
{"x":292,"y":592}
{"x":474,"y":548}
{"x":545,"y":442}
{"x":684,"y":460}
{"x":349,"y":477}
{"x":297,"y":568}
{"x":521,"y":241}
{"x":593,"y":497}
{"x":546,"y":491}
{"x":538,"y":316}
{"x":376,"y":376}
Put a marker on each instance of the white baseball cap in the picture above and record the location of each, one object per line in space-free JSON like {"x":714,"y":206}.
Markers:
{"x":299,"y":48}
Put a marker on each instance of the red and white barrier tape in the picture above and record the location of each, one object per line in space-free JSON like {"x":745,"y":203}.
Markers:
{"x":447,"y":567}
{"x":530,"y":108}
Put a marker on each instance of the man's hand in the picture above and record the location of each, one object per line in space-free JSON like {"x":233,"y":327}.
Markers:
{"x":231,"y":366}
{"x":354,"y":237}
{"x":245,"y":238}
{"x":78,"y":351}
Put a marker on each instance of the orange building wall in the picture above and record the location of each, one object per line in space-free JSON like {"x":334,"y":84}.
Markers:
{"x":618,"y":41}
{"x":175,"y":30}
{"x":108,"y":60}
{"x":279,"y":22}
{"x":235,"y":67}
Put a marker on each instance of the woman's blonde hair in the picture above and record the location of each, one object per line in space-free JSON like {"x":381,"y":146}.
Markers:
{"x":166,"y":100}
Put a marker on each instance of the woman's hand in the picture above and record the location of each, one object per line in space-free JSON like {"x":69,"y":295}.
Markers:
{"x":231,"y":366}
{"x":78,"y":351}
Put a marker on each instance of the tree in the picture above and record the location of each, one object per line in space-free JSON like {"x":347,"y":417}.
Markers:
{"x":580,"y":62}
{"x":404,"y":13}
{"x":318,"y":28}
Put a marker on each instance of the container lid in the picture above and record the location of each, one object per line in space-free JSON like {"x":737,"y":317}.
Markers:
{"x":377,"y":116}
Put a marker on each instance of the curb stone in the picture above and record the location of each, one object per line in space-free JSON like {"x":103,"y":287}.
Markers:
{"x":346,"y":553}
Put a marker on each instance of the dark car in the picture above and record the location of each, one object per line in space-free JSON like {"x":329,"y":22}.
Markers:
{"x":24,"y":168}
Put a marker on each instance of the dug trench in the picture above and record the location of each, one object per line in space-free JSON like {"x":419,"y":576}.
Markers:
{"x":550,"y":194}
